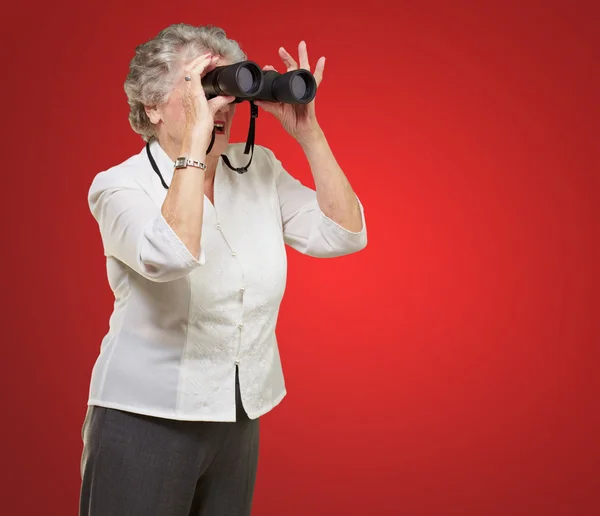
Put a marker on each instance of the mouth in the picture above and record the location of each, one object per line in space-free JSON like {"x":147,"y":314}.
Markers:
{"x":219,"y":127}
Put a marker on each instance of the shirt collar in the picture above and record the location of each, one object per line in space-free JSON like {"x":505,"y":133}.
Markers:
{"x":164,"y":163}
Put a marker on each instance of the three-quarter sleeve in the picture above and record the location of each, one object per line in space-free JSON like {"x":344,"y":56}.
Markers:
{"x":305,"y":227}
{"x":134,"y":231}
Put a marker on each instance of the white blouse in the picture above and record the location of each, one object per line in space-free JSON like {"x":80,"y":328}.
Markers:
{"x":180,"y":323}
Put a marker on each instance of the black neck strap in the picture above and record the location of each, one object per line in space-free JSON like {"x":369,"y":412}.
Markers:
{"x":249,"y":141}
{"x":249,"y":148}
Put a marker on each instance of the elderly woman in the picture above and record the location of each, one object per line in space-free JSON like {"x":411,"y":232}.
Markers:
{"x":195,"y":256}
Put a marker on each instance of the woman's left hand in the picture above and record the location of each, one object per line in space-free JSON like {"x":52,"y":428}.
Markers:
{"x":299,"y":120}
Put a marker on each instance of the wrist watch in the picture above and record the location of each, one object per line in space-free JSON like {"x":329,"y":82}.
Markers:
{"x":183,"y":162}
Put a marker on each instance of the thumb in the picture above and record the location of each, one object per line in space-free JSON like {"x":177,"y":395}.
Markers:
{"x":219,"y":102}
{"x":269,"y":107}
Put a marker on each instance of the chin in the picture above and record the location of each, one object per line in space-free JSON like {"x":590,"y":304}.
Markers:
{"x":220,"y":145}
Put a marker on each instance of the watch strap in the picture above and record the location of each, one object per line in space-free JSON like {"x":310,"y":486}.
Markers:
{"x":183,"y":162}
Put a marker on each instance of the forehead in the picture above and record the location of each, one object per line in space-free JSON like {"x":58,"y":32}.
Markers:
{"x":222,"y":61}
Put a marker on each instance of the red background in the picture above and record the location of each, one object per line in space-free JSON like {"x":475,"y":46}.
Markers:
{"x":448,"y":369}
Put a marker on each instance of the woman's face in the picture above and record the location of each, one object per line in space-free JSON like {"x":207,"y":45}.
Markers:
{"x":170,"y":120}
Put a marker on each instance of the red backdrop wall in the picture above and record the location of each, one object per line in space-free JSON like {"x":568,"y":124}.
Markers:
{"x":450,"y":367}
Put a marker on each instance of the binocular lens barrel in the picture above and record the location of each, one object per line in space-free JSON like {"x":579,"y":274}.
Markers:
{"x":242,"y":79}
{"x":294,"y":87}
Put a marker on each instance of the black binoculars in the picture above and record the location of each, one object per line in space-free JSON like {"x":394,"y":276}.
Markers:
{"x":246,"y":81}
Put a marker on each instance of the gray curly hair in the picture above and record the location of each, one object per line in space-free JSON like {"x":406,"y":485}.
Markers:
{"x":153,"y":69}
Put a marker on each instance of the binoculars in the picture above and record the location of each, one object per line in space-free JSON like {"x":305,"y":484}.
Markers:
{"x":246,"y":81}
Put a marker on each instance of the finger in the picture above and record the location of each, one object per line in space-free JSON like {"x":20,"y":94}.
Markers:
{"x":204,"y":66}
{"x":194,"y":74}
{"x":288,"y":60}
{"x":319,"y":68}
{"x":219,"y":102}
{"x":192,"y":65}
{"x":202,"y":57}
{"x":269,"y":67}
{"x":269,"y":107}
{"x":303,"y":55}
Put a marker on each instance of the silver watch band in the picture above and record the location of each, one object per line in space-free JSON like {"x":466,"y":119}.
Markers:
{"x":183,"y":162}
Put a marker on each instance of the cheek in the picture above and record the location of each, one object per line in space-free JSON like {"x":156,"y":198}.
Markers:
{"x":173,"y":114}
{"x":172,"y":111}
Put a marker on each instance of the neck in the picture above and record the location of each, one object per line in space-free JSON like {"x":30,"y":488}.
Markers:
{"x":173,"y":148}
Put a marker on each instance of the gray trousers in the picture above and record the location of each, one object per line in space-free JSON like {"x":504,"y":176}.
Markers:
{"x":136,"y":465}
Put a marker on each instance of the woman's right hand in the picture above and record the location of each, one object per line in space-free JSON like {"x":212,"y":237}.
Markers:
{"x":199,"y":112}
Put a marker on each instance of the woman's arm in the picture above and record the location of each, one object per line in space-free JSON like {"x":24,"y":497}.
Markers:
{"x":335,"y":195}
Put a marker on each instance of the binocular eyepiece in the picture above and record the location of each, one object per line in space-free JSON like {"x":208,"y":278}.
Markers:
{"x":246,"y":81}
